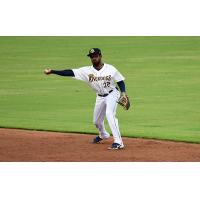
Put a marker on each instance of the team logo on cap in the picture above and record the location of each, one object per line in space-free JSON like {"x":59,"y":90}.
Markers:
{"x":92,"y":51}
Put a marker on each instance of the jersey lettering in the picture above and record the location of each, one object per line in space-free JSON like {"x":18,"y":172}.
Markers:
{"x":92,"y":78}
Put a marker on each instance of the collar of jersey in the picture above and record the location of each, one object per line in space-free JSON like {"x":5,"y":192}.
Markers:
{"x":104,"y":65}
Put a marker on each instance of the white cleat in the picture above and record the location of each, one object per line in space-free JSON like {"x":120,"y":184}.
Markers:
{"x":116,"y":146}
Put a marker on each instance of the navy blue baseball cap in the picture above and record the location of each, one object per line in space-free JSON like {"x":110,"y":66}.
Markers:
{"x":94,"y":51}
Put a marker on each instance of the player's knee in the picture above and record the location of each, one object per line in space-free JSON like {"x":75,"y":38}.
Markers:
{"x":109,"y":114}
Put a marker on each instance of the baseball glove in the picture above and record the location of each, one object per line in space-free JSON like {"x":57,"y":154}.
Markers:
{"x":124,"y":101}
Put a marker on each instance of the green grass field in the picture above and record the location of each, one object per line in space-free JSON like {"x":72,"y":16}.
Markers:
{"x":162,"y":80}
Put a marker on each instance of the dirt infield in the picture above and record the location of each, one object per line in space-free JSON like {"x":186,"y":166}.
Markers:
{"x":24,"y":145}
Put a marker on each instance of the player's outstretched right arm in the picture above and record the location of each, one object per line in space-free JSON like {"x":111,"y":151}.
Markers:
{"x":66,"y":72}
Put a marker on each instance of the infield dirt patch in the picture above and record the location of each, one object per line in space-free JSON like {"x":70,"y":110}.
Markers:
{"x":25,"y":145}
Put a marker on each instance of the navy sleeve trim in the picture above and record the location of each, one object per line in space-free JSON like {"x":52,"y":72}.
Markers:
{"x":121,"y":86}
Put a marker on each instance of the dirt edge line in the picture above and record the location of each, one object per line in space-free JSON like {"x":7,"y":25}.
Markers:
{"x":92,"y":133}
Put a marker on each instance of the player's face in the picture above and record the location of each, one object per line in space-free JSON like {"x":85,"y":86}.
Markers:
{"x":95,"y":59}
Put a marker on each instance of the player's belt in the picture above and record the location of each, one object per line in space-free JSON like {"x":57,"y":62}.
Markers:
{"x":105,"y":95}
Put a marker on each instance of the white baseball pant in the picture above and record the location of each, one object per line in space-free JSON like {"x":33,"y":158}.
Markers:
{"x":106,"y":107}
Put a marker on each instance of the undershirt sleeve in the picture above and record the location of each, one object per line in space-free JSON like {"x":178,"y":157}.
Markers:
{"x":66,"y":72}
{"x":121,"y":86}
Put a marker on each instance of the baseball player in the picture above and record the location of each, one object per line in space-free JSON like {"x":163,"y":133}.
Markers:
{"x":102,"y":78}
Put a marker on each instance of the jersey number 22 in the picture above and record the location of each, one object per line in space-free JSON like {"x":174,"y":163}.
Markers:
{"x":106,"y":84}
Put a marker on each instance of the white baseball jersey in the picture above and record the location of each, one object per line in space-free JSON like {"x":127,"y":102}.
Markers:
{"x":102,"y":81}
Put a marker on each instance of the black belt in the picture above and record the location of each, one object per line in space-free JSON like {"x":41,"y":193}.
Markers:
{"x":105,"y":95}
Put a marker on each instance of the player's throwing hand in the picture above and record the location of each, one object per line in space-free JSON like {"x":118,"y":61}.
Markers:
{"x":47,"y":71}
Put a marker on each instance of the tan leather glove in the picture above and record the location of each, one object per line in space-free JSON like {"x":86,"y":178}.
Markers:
{"x":124,"y":101}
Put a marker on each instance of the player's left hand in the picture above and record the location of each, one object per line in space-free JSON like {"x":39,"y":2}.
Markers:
{"x":124,"y":101}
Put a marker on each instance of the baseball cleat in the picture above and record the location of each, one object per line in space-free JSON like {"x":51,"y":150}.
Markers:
{"x":116,"y":146}
{"x":97,"y":140}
